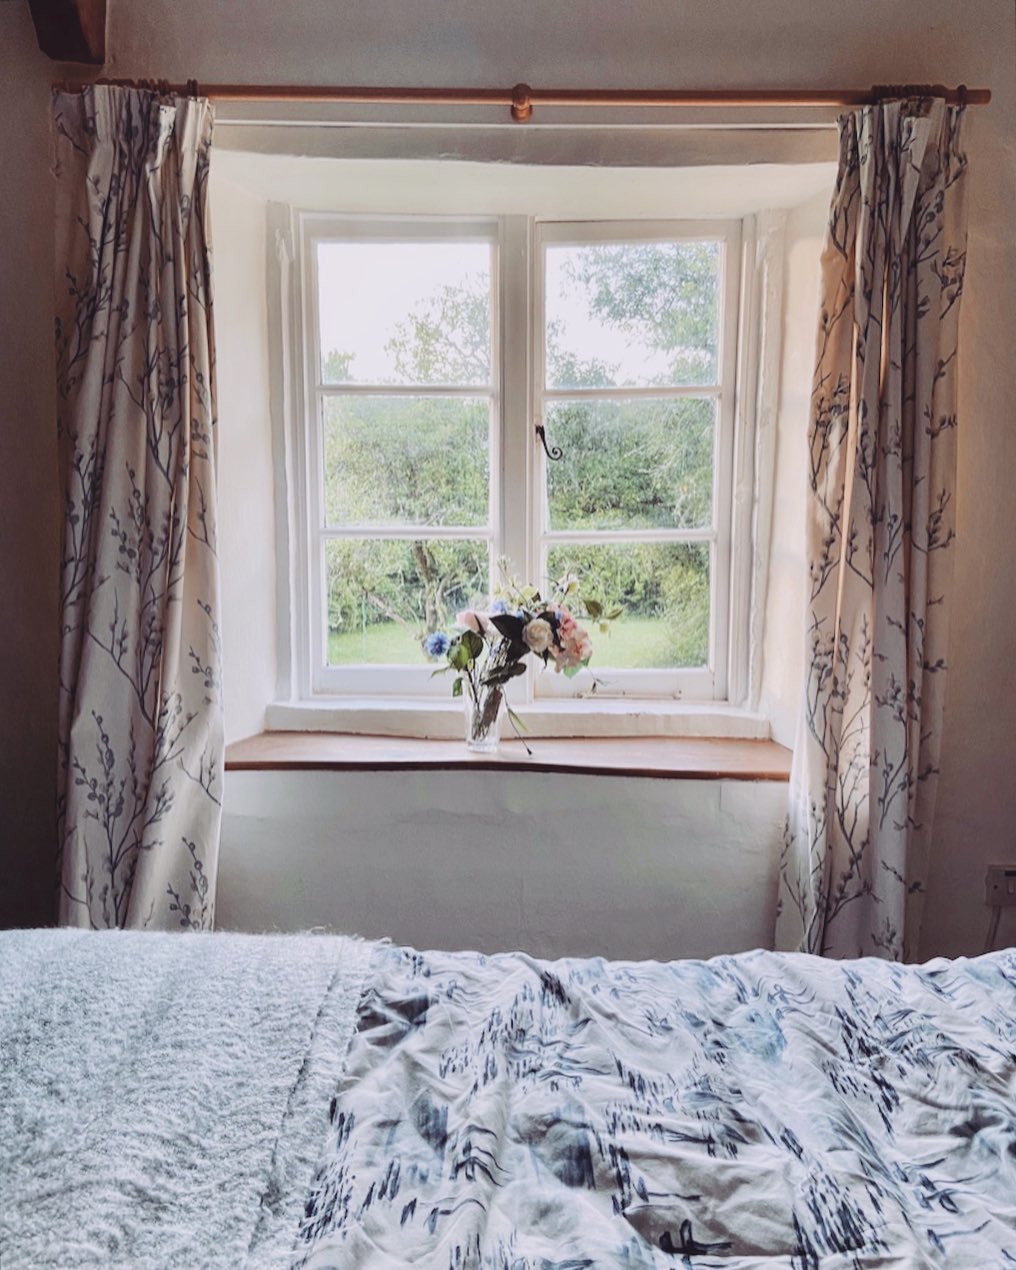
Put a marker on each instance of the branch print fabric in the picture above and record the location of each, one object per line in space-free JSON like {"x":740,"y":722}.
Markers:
{"x":141,"y":742}
{"x":882,"y":445}
{"x":763,"y":1110}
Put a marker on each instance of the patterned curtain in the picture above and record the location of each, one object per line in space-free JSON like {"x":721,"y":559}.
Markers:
{"x":880,"y":533}
{"x":141,"y":745}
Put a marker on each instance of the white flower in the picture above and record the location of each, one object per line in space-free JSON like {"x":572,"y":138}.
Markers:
{"x":537,"y":635}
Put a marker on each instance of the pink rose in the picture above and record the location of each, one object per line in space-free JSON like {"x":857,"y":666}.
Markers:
{"x":471,"y":620}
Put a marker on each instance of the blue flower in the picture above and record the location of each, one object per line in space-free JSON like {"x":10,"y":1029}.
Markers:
{"x":437,"y":645}
{"x":497,"y":607}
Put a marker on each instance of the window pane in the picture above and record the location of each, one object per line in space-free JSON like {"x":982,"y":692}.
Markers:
{"x":632,"y":314}
{"x":638,"y":464}
{"x":404,"y":313}
{"x":664,"y":588}
{"x":384,"y":595}
{"x":406,"y":460}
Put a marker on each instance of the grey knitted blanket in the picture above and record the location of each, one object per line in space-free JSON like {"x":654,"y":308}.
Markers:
{"x":163,"y":1098}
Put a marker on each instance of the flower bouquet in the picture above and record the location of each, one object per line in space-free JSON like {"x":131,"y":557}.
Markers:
{"x":488,"y":648}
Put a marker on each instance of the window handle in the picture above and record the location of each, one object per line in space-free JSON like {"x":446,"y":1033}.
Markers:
{"x":553,"y":452}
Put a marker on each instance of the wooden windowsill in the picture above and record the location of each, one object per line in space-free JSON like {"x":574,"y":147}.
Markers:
{"x":673,"y":758}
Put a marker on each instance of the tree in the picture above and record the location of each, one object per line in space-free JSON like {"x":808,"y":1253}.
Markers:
{"x":447,"y":339}
{"x":335,"y":369}
{"x":663,"y":295}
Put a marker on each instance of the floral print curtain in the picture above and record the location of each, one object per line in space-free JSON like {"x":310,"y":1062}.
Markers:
{"x":141,"y":744}
{"x":881,"y":512}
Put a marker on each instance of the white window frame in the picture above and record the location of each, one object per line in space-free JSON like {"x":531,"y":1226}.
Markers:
{"x":517,"y":522}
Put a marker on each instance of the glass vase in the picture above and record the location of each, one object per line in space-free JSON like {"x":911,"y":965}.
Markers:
{"x":483,"y":719}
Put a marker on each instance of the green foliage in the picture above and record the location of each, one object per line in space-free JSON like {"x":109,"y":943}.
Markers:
{"x":662,"y":295}
{"x":418,"y":584}
{"x":447,"y":340}
{"x":335,"y":369}
{"x":410,"y":460}
{"x":639,"y":464}
{"x":666,"y":583}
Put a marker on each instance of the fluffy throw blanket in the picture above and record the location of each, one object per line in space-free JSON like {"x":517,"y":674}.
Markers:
{"x":163,"y":1098}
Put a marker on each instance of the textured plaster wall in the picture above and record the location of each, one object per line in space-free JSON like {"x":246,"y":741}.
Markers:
{"x":643,"y":43}
{"x":557,"y":866}
{"x":783,"y":643}
{"x":246,"y":503}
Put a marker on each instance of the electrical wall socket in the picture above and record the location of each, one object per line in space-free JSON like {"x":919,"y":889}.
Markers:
{"x":1000,"y":886}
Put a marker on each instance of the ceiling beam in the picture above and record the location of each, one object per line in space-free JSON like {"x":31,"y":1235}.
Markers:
{"x":71,"y":30}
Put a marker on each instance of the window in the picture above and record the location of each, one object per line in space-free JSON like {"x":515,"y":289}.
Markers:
{"x":404,"y":441}
{"x":434,"y":348}
{"x":634,"y":383}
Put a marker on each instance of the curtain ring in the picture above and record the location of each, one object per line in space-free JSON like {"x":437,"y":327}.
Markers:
{"x":192,"y":88}
{"x":961,"y":94}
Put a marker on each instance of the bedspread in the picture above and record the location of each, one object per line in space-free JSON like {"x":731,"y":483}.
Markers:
{"x":749,"y":1111}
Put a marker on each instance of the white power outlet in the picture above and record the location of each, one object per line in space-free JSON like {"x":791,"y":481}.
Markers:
{"x":1000,"y":886}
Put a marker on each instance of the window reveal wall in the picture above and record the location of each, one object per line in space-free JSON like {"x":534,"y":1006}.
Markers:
{"x":254,"y":470}
{"x":247,"y":531}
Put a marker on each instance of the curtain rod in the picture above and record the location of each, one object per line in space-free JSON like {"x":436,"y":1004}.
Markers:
{"x":522,"y":99}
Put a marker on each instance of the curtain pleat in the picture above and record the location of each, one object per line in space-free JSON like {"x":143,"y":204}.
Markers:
{"x":141,"y":741}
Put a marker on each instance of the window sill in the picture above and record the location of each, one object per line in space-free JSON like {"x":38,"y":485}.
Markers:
{"x":441,"y":720}
{"x":673,"y":758}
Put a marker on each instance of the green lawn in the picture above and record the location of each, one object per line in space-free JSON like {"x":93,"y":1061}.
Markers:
{"x":634,"y":643}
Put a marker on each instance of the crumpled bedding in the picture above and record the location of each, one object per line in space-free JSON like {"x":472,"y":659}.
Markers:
{"x":759,"y":1110}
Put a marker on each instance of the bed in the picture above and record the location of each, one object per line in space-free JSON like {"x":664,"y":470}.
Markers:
{"x":315,"y":1101}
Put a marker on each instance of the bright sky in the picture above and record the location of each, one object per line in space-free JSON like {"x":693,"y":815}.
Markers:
{"x":366,"y":289}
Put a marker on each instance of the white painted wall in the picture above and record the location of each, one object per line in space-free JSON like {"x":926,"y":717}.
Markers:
{"x":784,"y":643}
{"x":572,"y":865}
{"x":246,"y":493}
{"x":787,"y":43}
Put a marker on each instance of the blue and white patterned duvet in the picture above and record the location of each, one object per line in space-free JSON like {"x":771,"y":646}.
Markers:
{"x":753,"y":1111}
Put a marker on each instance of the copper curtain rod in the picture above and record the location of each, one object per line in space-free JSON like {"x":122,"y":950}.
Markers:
{"x":522,"y":99}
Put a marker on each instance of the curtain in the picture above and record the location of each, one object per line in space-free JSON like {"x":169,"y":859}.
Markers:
{"x":141,"y":744}
{"x":880,"y":533}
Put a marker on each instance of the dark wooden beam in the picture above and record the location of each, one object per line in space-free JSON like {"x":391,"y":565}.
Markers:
{"x":71,"y":30}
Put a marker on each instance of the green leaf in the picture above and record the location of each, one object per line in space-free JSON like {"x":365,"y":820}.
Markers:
{"x":441,"y":670}
{"x":594,"y":608}
{"x":473,"y":644}
{"x":604,"y":628}
{"x":457,"y":687}
{"x":614,"y":614}
{"x":459,"y":657}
